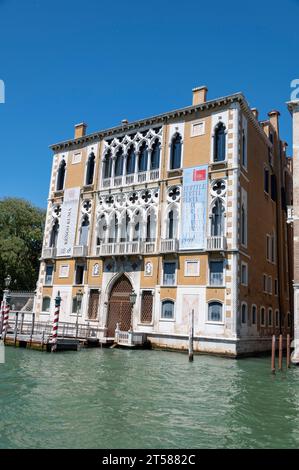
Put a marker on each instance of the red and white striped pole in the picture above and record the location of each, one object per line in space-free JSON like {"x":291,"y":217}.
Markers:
{"x":1,"y":315}
{"x":55,"y":322}
{"x":5,"y":320}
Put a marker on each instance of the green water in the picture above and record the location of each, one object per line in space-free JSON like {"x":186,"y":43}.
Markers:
{"x":145,"y":399}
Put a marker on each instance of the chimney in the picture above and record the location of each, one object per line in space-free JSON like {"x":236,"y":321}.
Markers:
{"x":274,"y":115}
{"x":255,"y":112}
{"x":80,"y":130}
{"x":199,"y":95}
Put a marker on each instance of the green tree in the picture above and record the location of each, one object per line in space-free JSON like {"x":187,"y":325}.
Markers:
{"x":21,"y":235}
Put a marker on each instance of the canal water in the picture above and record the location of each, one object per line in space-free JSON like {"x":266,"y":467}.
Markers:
{"x":145,"y":399}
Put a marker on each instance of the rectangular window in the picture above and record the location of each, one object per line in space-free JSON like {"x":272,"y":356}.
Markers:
{"x":268,"y":247}
{"x":264,"y":283}
{"x":244,"y":274}
{"x":273,"y":249}
{"x":191,"y":268}
{"x":270,"y":317}
{"x":197,"y":128}
{"x":146,"y":306}
{"x":64,"y":270}
{"x":244,"y":235}
{"x":263,"y":316}
{"x":276,"y":287}
{"x":266,"y":180}
{"x":253,"y":314}
{"x":169,"y":274}
{"x":277,"y":322}
{"x":269,"y":289}
{"x":273,"y":188}
{"x":93,"y":304}
{"x":216,"y":273}
{"x":79,"y":277}
{"x":49,"y":275}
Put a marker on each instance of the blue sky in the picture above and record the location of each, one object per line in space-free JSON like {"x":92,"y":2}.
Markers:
{"x":65,"y":61}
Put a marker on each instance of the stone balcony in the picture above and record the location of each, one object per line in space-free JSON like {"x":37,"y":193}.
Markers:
{"x":80,"y":251}
{"x":134,"y":178}
{"x":216,"y":243}
{"x":126,"y":248}
{"x":169,"y":245}
{"x":49,"y":252}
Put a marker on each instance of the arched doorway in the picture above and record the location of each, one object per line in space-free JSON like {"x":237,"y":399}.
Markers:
{"x":119,"y":306}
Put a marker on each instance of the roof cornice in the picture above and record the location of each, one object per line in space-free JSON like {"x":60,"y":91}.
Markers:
{"x":161,"y":119}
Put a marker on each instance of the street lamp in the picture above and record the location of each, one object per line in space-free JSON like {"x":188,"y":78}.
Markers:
{"x":7,"y":281}
{"x":133,"y":297}
{"x":79,"y":297}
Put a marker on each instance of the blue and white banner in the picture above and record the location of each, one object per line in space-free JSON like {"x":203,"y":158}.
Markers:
{"x":194,"y":208}
{"x":68,"y":221}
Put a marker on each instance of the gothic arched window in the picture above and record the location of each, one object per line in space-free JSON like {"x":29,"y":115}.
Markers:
{"x":119,"y":163}
{"x":84,"y":231}
{"x":60,"y":176}
{"x":217,"y":222}
{"x":155,"y":157}
{"x":131,"y":161}
{"x":176,"y":152}
{"x":107,"y":165}
{"x":90,"y":169}
{"x":54,"y":234}
{"x":142,"y":164}
{"x":219,"y":143}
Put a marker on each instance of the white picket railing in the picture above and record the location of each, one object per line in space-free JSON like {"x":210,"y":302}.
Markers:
{"x":216,"y":243}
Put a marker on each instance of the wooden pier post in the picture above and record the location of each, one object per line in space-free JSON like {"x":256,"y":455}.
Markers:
{"x":16,"y":328}
{"x":288,"y":350}
{"x":5,"y":320}
{"x":273,"y":355}
{"x":22,"y":321}
{"x":32,"y":327}
{"x":191,"y":328}
{"x":1,"y":316}
{"x":280,"y":353}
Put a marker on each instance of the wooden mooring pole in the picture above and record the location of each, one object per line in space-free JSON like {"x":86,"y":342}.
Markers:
{"x":16,"y":328}
{"x":280,"y":353}
{"x":273,"y":354}
{"x":191,"y":328}
{"x":288,"y":350}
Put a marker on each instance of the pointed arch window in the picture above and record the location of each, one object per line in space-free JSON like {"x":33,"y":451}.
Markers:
{"x":107,"y":165}
{"x":54,"y":234}
{"x":131,"y":161}
{"x":219,"y":143}
{"x":90,"y":169}
{"x":61,"y":176}
{"x":113,"y":232}
{"x":84,"y":231}
{"x":172,"y":224}
{"x":119,"y":163}
{"x":142,"y":164}
{"x":155,"y":157}
{"x":217,"y":222}
{"x":176,"y":152}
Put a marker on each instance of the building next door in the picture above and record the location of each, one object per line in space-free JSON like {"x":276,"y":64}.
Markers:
{"x":119,"y":306}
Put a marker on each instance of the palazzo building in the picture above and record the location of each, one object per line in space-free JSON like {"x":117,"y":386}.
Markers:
{"x":294,"y":219}
{"x":188,"y":209}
